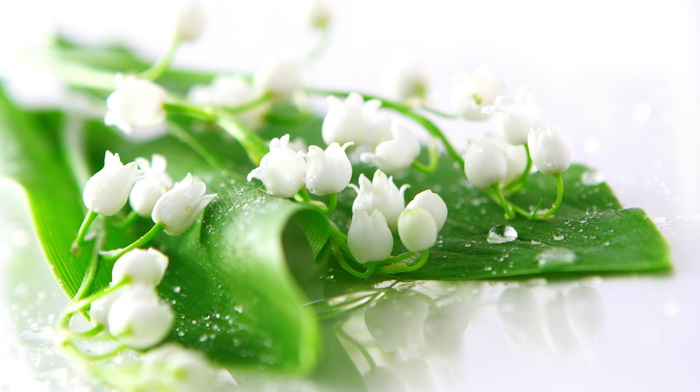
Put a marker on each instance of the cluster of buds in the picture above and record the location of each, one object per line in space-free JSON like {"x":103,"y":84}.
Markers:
{"x":379,"y":208}
{"x":379,"y":140}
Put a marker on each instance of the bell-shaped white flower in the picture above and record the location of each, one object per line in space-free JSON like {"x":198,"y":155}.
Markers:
{"x":142,"y":266}
{"x":231,"y":91}
{"x":282,"y":170}
{"x":516,"y":160}
{"x":348,"y":120}
{"x":177,"y":369}
{"x":514,"y":118}
{"x":107,"y":191}
{"x":378,"y":131}
{"x":433,"y":203}
{"x":329,"y":170}
{"x":474,"y":93}
{"x":319,"y":13}
{"x":369,"y":237}
{"x":380,"y":194}
{"x":398,"y":153}
{"x":405,"y":78}
{"x":138,"y":318}
{"x":549,"y":151}
{"x":178,"y":208}
{"x":281,"y":76}
{"x":189,"y":20}
{"x":136,"y":104}
{"x":485,"y":162}
{"x":99,"y":308}
{"x":417,"y":229}
{"x":154,"y":183}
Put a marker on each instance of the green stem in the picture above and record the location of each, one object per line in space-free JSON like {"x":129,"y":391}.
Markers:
{"x":321,"y":46}
{"x":438,"y":113}
{"x":83,"y":303}
{"x":507,"y":207}
{"x":82,"y":232}
{"x":250,"y":105}
{"x":190,"y":141}
{"x":399,"y":268}
{"x":332,"y":203}
{"x":557,"y":203}
{"x":128,"y":221}
{"x":370,"y":361}
{"x":162,"y":64}
{"x":433,"y":159}
{"x":303,"y":196}
{"x":408,"y":112}
{"x":94,"y":331}
{"x":521,"y":182}
{"x":146,"y":238}
{"x":344,"y":264}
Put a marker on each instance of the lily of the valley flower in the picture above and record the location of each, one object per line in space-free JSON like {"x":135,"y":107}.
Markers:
{"x":404,"y":78}
{"x":138,"y":318}
{"x":280,"y":76}
{"x":282,"y":170}
{"x":515,"y":118}
{"x":417,"y":229}
{"x":177,"y":368}
{"x":99,"y":308}
{"x":154,"y":183}
{"x":474,"y":93}
{"x":135,"y":104}
{"x":348,"y":120}
{"x":319,"y":14}
{"x":433,"y":203}
{"x":189,"y":20}
{"x":231,"y":91}
{"x":516,"y":161}
{"x":140,"y":266}
{"x":178,"y":208}
{"x":107,"y":191}
{"x":485,"y":162}
{"x":369,"y":237}
{"x":380,"y":194}
{"x":398,"y":153}
{"x":327,"y":171}
{"x":549,"y":151}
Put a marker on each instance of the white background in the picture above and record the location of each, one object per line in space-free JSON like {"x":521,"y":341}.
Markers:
{"x":619,"y":78}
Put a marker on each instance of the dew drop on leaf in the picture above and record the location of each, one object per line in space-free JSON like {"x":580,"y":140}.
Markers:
{"x":501,"y":234}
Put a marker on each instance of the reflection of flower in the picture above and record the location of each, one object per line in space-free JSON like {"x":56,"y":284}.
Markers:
{"x":107,"y":191}
{"x":179,"y":207}
{"x":135,"y":104}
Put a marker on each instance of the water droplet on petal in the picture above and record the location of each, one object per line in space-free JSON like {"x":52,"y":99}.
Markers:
{"x":553,"y":258}
{"x":592,"y":178}
{"x":501,"y":234}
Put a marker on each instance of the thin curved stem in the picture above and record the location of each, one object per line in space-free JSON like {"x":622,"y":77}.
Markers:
{"x":162,"y":64}
{"x":82,"y":232}
{"x":399,"y":268}
{"x":370,"y":361}
{"x":557,"y":203}
{"x":332,"y":203}
{"x":146,"y":238}
{"x":181,"y":134}
{"x":438,"y":113}
{"x":433,"y":160}
{"x":249,"y":105}
{"x":347,"y":267}
{"x":522,"y":181}
{"x":507,"y":206}
{"x":321,"y":46}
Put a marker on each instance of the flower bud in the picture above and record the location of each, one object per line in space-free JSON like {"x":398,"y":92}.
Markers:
{"x":282,"y":170}
{"x":139,"y":319}
{"x":433,"y":203}
{"x":189,"y":20}
{"x":154,"y":183}
{"x":474,"y":93}
{"x":369,"y":237}
{"x":99,"y":308}
{"x":514,"y":118}
{"x":178,"y":208}
{"x":348,"y":121}
{"x":281,"y":76}
{"x":107,"y":191}
{"x":549,"y":151}
{"x":231,"y":91}
{"x":327,"y":171}
{"x":319,"y":14}
{"x":405,"y":78}
{"x":516,"y":160}
{"x":417,"y":229}
{"x":398,"y":153}
{"x":136,"y":104}
{"x":381,"y":194}
{"x":485,"y":162}
{"x":143,"y":266}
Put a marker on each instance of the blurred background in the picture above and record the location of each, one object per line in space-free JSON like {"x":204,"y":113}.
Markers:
{"x":621,"y":79}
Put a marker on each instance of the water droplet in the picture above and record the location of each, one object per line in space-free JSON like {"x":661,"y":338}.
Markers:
{"x":554,"y":258}
{"x":592,"y":178}
{"x":177,"y":289}
{"x":488,"y":268}
{"x":558,"y":237}
{"x":501,"y":234}
{"x":238,"y":308}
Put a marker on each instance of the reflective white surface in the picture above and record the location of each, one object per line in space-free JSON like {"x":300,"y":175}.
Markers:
{"x":620,"y":80}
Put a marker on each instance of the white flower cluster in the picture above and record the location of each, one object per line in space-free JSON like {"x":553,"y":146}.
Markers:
{"x":379,"y":208}
{"x":134,"y":314}
{"x":285,"y":171}
{"x":150,"y":192}
{"x":381,"y":141}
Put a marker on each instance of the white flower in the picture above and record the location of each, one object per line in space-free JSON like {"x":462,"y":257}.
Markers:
{"x":189,"y":20}
{"x":319,"y":14}
{"x":281,"y":76}
{"x":138,"y":318}
{"x":142,"y":266}
{"x":474,"y":93}
{"x":107,"y":190}
{"x":549,"y":151}
{"x":405,"y":78}
{"x":433,"y":203}
{"x":282,"y":170}
{"x":348,"y":120}
{"x":516,"y":160}
{"x":99,"y":308}
{"x":378,"y":131}
{"x":327,"y":171}
{"x":154,"y":183}
{"x":177,"y":369}
{"x":178,"y":208}
{"x":515,"y":118}
{"x":398,"y":153}
{"x":381,"y":194}
{"x":417,"y":229}
{"x":485,"y":162}
{"x":231,"y":91}
{"x":369,"y":237}
{"x":135,"y":104}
